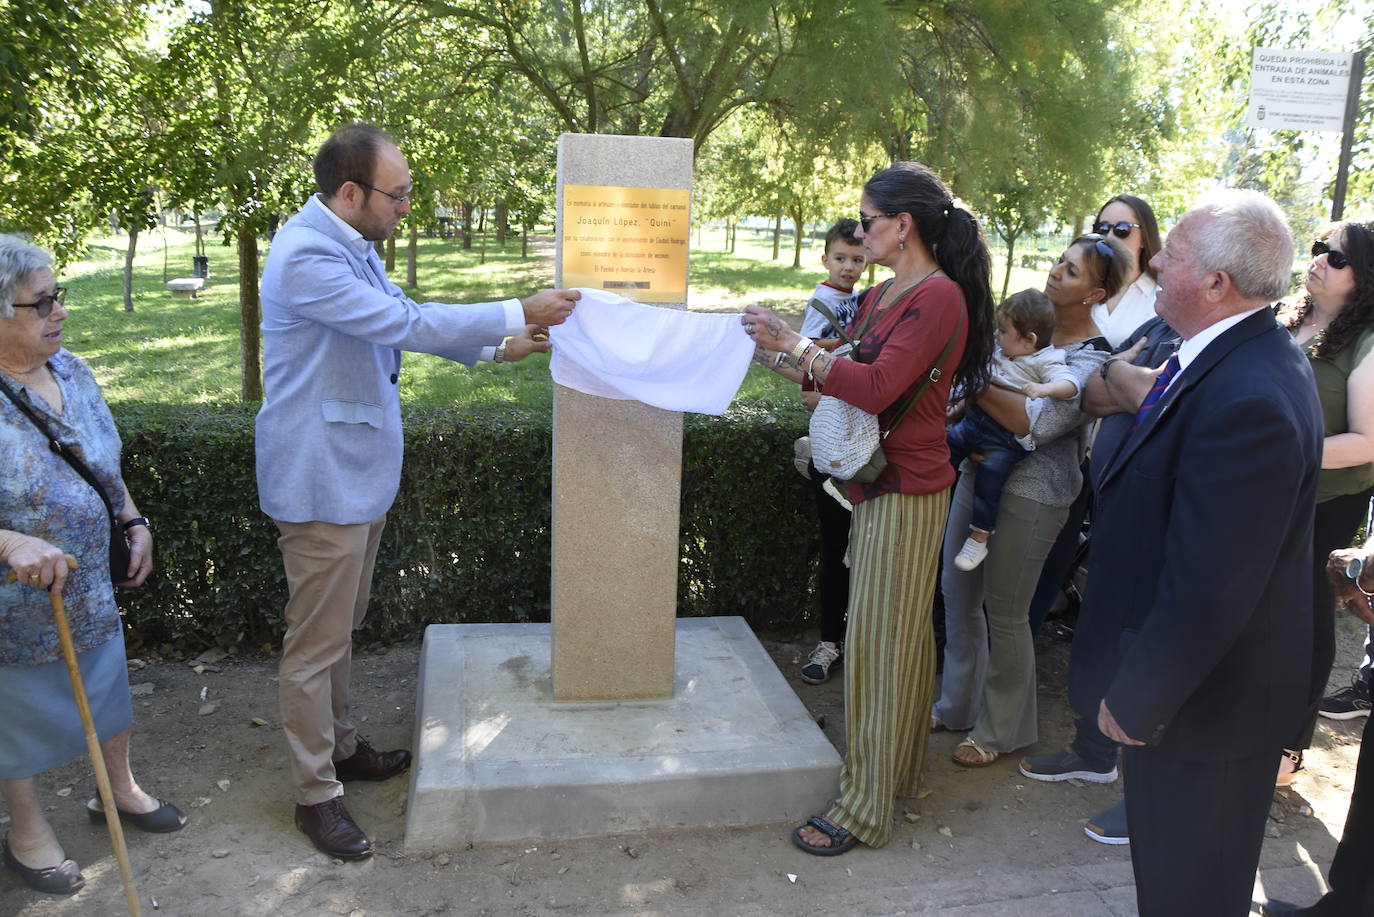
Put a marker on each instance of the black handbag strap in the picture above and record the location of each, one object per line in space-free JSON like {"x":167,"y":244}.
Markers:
{"x":60,"y":448}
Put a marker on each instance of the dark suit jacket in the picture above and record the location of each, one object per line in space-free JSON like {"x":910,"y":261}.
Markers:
{"x":1197,"y":628}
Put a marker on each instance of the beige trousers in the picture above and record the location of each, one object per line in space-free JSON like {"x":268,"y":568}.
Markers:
{"x":329,"y":574}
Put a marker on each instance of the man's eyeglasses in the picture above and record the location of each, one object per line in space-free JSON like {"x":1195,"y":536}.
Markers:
{"x":398,"y":198}
{"x":1122,"y":229}
{"x":1336,"y":259}
{"x":866,"y":220}
{"x":44,"y":304}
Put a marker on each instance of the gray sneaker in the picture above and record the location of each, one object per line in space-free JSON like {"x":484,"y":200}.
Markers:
{"x":824,"y":657}
{"x":1055,"y":766}
{"x":1109,"y":826}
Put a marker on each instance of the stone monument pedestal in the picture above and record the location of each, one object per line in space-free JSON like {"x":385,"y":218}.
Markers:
{"x":498,"y":761}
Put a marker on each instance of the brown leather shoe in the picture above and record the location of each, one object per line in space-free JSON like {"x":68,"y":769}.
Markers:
{"x":366,"y":763}
{"x":333,"y":831}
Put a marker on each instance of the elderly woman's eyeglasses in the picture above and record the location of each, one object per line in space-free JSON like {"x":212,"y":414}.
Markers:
{"x":44,"y":304}
{"x":866,"y":220}
{"x":1336,"y":259}
{"x":398,"y":198}
{"x":1122,"y":229}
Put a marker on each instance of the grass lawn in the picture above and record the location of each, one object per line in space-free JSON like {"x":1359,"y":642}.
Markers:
{"x":172,"y":349}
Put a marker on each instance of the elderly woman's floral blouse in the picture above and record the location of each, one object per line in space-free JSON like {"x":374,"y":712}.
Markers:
{"x":43,"y":496}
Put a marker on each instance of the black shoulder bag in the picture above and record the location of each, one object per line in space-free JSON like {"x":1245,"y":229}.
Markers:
{"x":119,"y":545}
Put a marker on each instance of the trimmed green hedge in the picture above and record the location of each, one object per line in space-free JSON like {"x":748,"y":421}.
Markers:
{"x":468,"y":537}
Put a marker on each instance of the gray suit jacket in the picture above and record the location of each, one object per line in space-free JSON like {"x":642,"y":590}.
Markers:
{"x":333,"y":327}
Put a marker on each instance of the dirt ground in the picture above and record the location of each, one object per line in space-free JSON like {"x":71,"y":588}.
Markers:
{"x":981,"y":842}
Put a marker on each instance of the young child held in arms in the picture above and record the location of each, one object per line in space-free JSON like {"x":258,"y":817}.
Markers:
{"x":1024,"y":362}
{"x":845,"y":259}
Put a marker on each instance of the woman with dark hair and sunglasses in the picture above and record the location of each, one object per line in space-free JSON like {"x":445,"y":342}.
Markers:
{"x":1131,"y":220}
{"x":935,"y":312}
{"x":46,"y":509}
{"x":1334,"y":325}
{"x":988,"y":686}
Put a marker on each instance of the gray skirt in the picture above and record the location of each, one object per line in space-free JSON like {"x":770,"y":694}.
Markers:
{"x":39,"y":725}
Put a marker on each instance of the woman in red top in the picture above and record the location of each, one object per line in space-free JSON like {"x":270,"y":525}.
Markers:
{"x":939,"y":291}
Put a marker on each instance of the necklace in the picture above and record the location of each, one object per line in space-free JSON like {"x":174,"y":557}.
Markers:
{"x":907,"y":290}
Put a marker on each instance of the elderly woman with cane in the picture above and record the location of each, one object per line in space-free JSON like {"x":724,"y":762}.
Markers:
{"x":55,"y":500}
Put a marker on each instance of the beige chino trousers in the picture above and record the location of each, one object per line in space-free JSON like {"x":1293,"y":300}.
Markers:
{"x":329,"y":574}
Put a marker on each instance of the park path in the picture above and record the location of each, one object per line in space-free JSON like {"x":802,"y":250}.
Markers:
{"x":981,"y":843}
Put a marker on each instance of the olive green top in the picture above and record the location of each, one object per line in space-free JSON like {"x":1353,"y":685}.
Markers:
{"x":1333,"y":379}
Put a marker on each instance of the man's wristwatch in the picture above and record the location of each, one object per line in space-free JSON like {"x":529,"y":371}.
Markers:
{"x":500,"y":355}
{"x":137,"y":520}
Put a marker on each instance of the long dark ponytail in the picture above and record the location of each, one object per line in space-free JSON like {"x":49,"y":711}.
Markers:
{"x":955,"y":239}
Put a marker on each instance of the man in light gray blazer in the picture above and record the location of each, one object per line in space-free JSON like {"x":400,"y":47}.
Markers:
{"x":329,"y":443}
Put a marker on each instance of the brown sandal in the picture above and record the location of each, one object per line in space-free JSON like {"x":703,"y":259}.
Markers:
{"x":979,"y":756}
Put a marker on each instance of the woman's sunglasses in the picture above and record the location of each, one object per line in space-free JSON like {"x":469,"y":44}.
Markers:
{"x":866,"y":220}
{"x":1122,"y":229}
{"x":44,"y":304}
{"x":1336,"y":259}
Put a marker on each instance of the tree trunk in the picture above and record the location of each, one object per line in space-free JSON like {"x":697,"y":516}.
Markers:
{"x":777,"y":235}
{"x":250,"y":314}
{"x":501,"y":228}
{"x":390,"y":254}
{"x":129,"y":270}
{"x":797,"y":243}
{"x":1006,"y":275}
{"x":413,"y":255}
{"x":524,"y":243}
{"x":482,"y":252}
{"x":467,"y":225}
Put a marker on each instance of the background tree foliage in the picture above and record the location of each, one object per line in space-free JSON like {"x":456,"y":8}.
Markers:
{"x":1033,"y":112}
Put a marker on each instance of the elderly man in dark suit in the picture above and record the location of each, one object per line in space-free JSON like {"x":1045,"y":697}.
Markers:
{"x":1201,"y":635}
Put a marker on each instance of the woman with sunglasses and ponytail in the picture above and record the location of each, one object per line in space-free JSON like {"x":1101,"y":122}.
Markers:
{"x":936,"y":311}
{"x":1132,"y":221}
{"x":1334,"y":325}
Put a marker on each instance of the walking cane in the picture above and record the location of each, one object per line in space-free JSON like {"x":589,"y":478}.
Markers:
{"x":102,"y":777}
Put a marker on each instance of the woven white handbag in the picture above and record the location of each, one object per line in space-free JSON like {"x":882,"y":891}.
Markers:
{"x":846,"y":442}
{"x":843,"y":437}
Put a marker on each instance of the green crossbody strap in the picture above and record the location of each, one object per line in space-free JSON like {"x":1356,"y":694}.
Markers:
{"x":931,"y":377}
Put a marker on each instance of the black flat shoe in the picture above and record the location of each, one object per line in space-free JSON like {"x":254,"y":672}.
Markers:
{"x":63,"y":879}
{"x":165,"y":819}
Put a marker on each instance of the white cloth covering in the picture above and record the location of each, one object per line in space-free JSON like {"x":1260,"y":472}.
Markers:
{"x":669,"y":358}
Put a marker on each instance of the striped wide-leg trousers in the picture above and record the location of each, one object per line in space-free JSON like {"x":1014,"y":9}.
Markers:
{"x":894,"y":544}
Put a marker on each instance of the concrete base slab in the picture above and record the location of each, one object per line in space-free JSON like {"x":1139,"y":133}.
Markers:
{"x":498,"y":761}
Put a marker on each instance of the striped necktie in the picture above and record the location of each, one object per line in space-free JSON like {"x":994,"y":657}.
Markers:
{"x":1153,"y":396}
